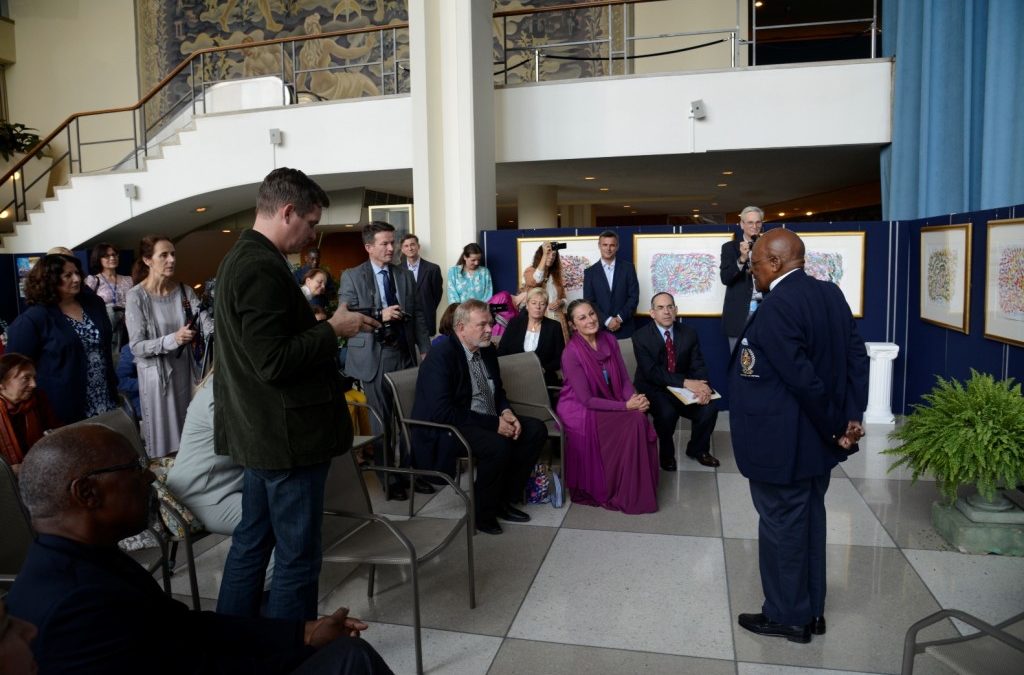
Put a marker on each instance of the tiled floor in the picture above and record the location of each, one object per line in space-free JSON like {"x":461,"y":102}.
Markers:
{"x":583,"y":590}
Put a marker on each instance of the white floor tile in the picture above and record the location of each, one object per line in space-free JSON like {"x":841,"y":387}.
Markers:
{"x":850,"y":521}
{"x":446,"y":504}
{"x":990,"y":587}
{"x":870,"y":463}
{"x":623,"y":590}
{"x":767,"y":669}
{"x":443,"y":651}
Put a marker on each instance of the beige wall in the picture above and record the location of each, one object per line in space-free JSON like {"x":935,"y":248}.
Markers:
{"x":75,"y":55}
{"x":681,"y":16}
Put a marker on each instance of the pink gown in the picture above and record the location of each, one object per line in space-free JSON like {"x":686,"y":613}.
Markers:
{"x":611,"y":455}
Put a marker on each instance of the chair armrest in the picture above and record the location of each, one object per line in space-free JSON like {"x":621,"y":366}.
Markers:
{"x":437,"y":425}
{"x":373,"y":517}
{"x":373,"y":412}
{"x":911,"y":647}
{"x":552,"y":415}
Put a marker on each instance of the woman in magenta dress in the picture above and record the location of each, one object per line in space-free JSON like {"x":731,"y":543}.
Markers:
{"x":611,"y":454}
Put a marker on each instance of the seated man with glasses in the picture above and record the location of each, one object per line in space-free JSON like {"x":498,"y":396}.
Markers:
{"x":98,"y":611}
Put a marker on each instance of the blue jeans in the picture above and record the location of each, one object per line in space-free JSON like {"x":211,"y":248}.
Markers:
{"x":281,"y":510}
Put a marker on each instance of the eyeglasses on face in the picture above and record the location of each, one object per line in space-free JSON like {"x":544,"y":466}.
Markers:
{"x":138,"y":464}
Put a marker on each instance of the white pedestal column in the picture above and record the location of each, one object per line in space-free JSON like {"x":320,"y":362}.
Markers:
{"x":452,"y":92}
{"x":882,"y":354}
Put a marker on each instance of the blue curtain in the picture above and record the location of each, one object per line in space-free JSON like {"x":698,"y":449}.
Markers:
{"x":958,"y":101}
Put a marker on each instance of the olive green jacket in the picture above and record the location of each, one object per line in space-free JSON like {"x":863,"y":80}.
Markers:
{"x":278,"y":399}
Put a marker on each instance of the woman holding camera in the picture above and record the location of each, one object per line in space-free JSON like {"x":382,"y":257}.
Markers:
{"x":469,"y":279}
{"x":546,"y":273}
{"x":166,"y":332}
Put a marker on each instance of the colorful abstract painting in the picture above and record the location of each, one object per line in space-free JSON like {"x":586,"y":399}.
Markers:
{"x":838,"y":257}
{"x":573,"y":267}
{"x":1004,"y":281}
{"x":945,"y":275}
{"x":685,"y":265}
{"x":824,"y":265}
{"x":684,"y":273}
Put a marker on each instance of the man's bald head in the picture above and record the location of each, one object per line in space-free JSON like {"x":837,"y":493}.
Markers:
{"x":63,"y":458}
{"x":777,"y":252}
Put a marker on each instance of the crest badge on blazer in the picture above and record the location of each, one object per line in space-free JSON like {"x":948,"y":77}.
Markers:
{"x":747,"y":362}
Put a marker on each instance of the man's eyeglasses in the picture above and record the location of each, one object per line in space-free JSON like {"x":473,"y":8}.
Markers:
{"x":139,"y":465}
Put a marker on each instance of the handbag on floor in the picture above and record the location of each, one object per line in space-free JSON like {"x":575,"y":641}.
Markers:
{"x":538,"y":485}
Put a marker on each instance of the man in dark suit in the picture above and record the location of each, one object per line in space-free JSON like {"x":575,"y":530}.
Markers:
{"x":97,"y":610}
{"x":798,"y":386}
{"x":276,"y":400}
{"x":740,"y":296}
{"x":428,"y":280}
{"x":668,"y":355}
{"x":459,"y":383}
{"x":612,"y":286}
{"x":380,"y":285}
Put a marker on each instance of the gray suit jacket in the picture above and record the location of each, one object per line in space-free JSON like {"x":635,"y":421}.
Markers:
{"x":358,"y":289}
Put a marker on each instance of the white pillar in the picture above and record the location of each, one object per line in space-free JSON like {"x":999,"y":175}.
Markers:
{"x":577,"y":215}
{"x":537,"y":207}
{"x":452,"y":93}
{"x":882,"y":354}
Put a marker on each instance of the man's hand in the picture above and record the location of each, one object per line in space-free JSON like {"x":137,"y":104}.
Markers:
{"x":854,"y":432}
{"x":346,"y":323}
{"x":508,"y":424}
{"x":328,"y":629}
{"x":744,"y":252}
{"x":391,"y":313}
{"x":701,"y":390}
{"x":614,"y":324}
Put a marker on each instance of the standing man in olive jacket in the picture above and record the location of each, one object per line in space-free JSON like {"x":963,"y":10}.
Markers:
{"x":277,"y":398}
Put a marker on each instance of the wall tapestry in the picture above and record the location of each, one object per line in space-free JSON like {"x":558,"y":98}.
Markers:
{"x":685,"y":265}
{"x":946,"y":276}
{"x":1004,"y":281}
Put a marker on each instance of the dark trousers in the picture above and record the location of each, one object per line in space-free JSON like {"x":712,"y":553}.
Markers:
{"x":791,"y":548}
{"x":503,"y":465}
{"x":344,"y":656}
{"x":379,"y":397}
{"x":667,"y":409}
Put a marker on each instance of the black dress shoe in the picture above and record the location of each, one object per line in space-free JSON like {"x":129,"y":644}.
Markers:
{"x":488,"y":526}
{"x":817,"y":625}
{"x":398,"y":493}
{"x":668,"y":464}
{"x":706,"y":459}
{"x":423,"y":487}
{"x":512,"y":514}
{"x":762,"y":625}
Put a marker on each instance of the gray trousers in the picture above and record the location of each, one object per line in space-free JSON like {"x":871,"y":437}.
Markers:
{"x":379,"y":397}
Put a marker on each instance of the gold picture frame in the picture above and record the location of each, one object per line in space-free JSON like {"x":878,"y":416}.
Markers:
{"x":1004,"y":281}
{"x":945,"y":296}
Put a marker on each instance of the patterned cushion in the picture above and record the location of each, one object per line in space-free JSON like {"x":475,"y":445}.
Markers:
{"x":172,"y":510}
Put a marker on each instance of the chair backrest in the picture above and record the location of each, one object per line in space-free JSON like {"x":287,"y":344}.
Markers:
{"x":345,"y":489}
{"x":628,"y":357}
{"x":523,"y":379}
{"x":14,"y":524}
{"x":403,"y":385}
{"x":119,"y":421}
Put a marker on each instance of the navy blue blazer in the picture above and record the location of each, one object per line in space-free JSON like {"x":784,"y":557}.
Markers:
{"x":798,"y":375}
{"x":739,"y":286}
{"x":444,"y":393}
{"x":652,"y":357}
{"x":43,"y":334}
{"x":98,"y":611}
{"x":620,"y":300}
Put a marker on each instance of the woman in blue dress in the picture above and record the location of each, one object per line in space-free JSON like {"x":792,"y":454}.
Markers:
{"x":469,"y":278}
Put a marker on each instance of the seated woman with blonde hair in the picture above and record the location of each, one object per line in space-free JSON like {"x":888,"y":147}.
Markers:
{"x":532,"y":331}
{"x":25,"y":414}
{"x":611,"y":451}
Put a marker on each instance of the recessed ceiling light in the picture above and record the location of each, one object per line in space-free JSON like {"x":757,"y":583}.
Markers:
{"x":632,"y":211}
{"x":589,"y":177}
{"x":511,"y":221}
{"x":226,"y":231}
{"x":714,"y":203}
{"x":197,"y":286}
{"x":695,"y":209}
{"x":727,"y":173}
{"x":17,"y":175}
{"x":4,"y":213}
{"x":782,"y":213}
{"x":200,"y":209}
{"x":758,"y":4}
{"x":603,"y":189}
{"x":723,"y":185}
{"x":808,"y":214}
{"x":626,"y":206}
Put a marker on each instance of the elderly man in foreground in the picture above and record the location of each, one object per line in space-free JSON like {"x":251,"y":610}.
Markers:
{"x":98,"y":611}
{"x":798,"y":381}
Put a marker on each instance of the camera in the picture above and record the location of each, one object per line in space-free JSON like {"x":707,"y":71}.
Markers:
{"x":389,"y":333}
{"x":496,"y":307}
{"x":558,"y":245}
{"x":754,"y":238}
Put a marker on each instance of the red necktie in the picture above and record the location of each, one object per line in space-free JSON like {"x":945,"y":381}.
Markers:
{"x":670,"y":349}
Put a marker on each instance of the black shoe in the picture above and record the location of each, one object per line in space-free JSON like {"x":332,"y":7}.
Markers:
{"x":669,"y":464}
{"x":817,"y":625}
{"x":706,"y":459}
{"x":512,"y":514}
{"x":488,"y":526}
{"x":398,"y":493}
{"x":423,"y":487}
{"x":762,"y":625}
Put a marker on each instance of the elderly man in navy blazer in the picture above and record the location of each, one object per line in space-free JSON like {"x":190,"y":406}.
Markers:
{"x":668,"y":355}
{"x":798,"y":384}
{"x":612,"y":286}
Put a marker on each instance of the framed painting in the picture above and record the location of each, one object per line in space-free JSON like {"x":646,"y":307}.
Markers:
{"x":685,"y":265}
{"x":838,"y":257}
{"x":579,"y":254}
{"x":946,"y":276}
{"x":1004,"y":281}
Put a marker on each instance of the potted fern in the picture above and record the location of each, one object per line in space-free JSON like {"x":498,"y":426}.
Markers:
{"x":966,"y":434}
